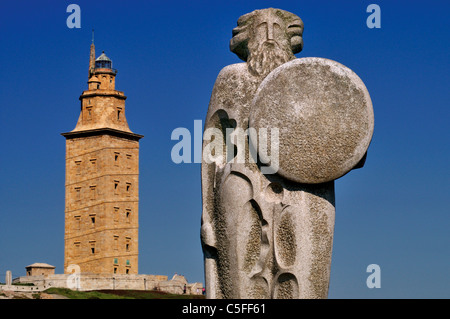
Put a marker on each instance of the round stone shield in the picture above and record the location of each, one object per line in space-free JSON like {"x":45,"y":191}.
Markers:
{"x":324,"y":117}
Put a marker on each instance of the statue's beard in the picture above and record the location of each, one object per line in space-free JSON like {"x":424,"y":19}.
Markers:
{"x":266,"y":57}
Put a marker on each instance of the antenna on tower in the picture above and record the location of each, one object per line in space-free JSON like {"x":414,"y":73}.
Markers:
{"x":92,"y":56}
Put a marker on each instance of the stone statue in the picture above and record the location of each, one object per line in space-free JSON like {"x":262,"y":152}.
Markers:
{"x":269,"y":233}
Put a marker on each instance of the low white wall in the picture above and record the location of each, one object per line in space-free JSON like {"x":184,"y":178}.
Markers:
{"x":86,"y":282}
{"x":16,"y":288}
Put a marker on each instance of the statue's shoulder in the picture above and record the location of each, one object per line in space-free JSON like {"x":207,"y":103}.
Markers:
{"x":227,"y":88}
{"x":230,"y":79}
{"x":233,"y":91}
{"x":235,"y":68}
{"x":231,"y":71}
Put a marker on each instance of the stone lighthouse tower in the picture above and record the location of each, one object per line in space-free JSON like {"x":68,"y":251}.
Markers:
{"x":102,"y":175}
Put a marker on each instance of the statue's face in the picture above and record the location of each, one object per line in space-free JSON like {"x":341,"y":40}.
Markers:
{"x":271,"y":29}
{"x":268,"y":45}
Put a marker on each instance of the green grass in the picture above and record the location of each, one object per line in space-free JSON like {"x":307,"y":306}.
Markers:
{"x":73,"y":294}
{"x":118,"y":294}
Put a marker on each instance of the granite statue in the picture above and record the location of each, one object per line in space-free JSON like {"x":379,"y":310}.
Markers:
{"x":269,"y":233}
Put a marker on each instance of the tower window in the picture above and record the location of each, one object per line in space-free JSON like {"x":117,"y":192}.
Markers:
{"x":93,"y":192}
{"x":128,"y":189}
{"x":77,"y":222}
{"x":98,"y":86}
{"x":78,"y":167}
{"x":116,"y":158}
{"x":128,"y":161}
{"x":92,"y":246}
{"x":77,"y":246}
{"x":119,"y":111}
{"x":128,"y":215}
{"x":116,"y":187}
{"x":128,"y":244}
{"x":116,"y":244}
{"x":89,"y":113}
{"x":115,"y":270}
{"x":77,"y":193}
{"x":92,"y":217}
{"x":93,"y":164}
{"x":116,"y":214}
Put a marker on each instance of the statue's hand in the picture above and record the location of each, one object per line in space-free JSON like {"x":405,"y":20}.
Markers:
{"x":207,"y":235}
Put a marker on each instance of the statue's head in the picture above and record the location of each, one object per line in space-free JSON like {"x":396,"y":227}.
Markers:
{"x":267,"y":38}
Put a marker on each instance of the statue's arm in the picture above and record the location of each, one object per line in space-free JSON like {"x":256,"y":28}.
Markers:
{"x":216,"y":117}
{"x":207,"y":230}
{"x":208,"y":173}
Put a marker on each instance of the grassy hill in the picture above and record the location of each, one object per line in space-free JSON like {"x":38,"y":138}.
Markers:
{"x":117,"y":294}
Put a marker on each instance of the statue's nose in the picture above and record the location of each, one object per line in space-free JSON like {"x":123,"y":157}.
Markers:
{"x":269,"y":31}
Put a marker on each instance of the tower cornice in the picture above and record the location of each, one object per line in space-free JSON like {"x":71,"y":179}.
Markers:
{"x":92,"y":93}
{"x":102,"y":131}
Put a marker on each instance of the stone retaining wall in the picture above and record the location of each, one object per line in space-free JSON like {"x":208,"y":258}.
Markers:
{"x":86,"y":282}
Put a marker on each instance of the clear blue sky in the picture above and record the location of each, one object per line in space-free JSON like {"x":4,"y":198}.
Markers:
{"x":394,"y":212}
